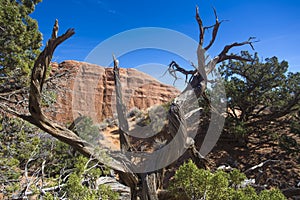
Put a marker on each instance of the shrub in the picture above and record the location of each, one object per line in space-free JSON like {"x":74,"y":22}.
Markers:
{"x":81,"y":183}
{"x":191,"y":182}
{"x":259,"y":93}
{"x":88,"y":131}
{"x":134,"y":112}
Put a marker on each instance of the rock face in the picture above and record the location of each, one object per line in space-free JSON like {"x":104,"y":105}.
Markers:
{"x":89,"y":90}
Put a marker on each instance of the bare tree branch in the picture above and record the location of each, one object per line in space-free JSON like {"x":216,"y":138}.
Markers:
{"x":39,"y":71}
{"x":174,"y":67}
{"x":215,"y":31}
{"x":199,"y":76}
{"x":55,"y":29}
{"x":223,"y":55}
{"x":201,"y":28}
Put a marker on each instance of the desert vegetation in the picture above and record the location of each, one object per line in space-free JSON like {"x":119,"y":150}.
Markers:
{"x":256,"y":157}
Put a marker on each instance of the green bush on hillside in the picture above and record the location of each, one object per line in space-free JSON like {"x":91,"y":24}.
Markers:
{"x":193,"y":183}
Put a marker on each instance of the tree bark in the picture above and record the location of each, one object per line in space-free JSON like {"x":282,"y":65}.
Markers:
{"x":37,"y":117}
{"x":143,"y":185}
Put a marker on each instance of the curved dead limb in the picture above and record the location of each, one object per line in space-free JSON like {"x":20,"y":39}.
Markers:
{"x":37,"y":117}
{"x":223,"y":55}
{"x":174,"y":67}
{"x":39,"y":71}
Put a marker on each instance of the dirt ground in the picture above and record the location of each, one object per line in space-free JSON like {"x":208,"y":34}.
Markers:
{"x":262,"y":158}
{"x":276,"y":167}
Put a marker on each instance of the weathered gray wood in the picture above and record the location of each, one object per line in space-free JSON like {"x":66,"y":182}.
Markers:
{"x":123,"y":190}
{"x":129,"y":179}
{"x":143,"y":185}
{"x":37,"y":117}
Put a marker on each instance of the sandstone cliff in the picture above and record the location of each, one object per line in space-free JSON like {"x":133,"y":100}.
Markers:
{"x":89,"y":90}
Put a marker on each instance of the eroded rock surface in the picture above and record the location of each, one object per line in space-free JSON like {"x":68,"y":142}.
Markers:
{"x":89,"y":90}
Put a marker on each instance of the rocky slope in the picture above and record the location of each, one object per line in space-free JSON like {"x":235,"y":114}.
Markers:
{"x":89,"y":90}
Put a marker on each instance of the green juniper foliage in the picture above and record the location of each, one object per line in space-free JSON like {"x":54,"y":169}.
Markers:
{"x":81,"y":183}
{"x":258,"y":93}
{"x":21,"y":142}
{"x":193,"y":183}
{"x":20,"y":42}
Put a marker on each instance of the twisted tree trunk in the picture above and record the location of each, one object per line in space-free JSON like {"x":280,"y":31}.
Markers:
{"x":145,"y":184}
{"x":181,"y":106}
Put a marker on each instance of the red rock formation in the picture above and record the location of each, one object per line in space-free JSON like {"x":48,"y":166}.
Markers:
{"x":89,"y":90}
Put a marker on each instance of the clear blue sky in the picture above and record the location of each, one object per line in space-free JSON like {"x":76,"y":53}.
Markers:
{"x":276,"y":23}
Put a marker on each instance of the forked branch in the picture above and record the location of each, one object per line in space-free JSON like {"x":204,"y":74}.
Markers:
{"x":174,"y":67}
{"x":223,"y":55}
{"x":204,"y":68}
{"x":215,"y":31}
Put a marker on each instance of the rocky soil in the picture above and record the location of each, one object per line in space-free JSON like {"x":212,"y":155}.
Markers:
{"x":89,"y":91}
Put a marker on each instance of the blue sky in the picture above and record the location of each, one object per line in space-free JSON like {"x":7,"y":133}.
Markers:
{"x":275,"y":23}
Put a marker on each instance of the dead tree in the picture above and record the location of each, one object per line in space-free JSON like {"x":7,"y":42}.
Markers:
{"x":198,"y":77}
{"x":38,"y":118}
{"x":180,"y":107}
{"x":142,"y":184}
{"x":197,"y":82}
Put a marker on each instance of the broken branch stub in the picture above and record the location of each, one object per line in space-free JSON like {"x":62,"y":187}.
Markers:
{"x":121,"y":110}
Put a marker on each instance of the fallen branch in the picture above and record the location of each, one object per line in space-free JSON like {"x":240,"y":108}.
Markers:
{"x":260,"y":165}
